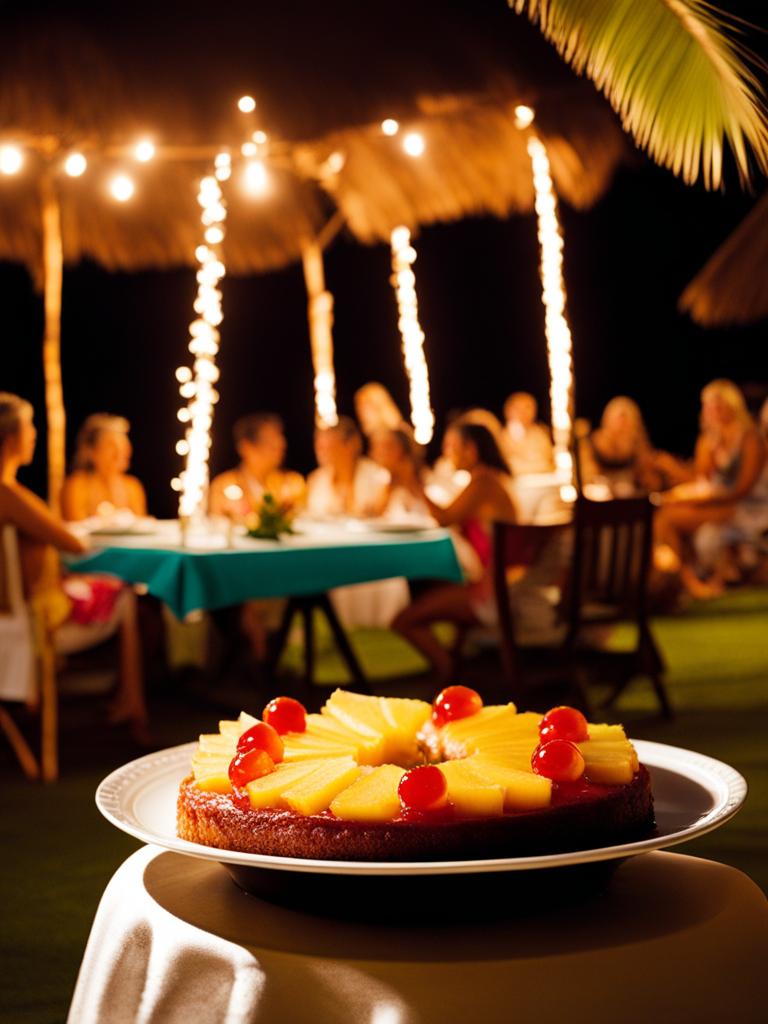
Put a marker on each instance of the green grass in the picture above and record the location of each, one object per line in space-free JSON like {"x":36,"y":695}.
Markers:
{"x":57,"y":853}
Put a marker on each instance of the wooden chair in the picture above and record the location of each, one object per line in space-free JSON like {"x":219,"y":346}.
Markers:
{"x":27,"y":666}
{"x":607,"y":584}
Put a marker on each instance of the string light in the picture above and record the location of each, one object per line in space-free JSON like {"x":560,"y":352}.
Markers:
{"x":144,"y":151}
{"x":414,"y":144}
{"x":404,"y":283}
{"x":11,"y":159}
{"x":75,"y":165}
{"x":335,"y":162}
{"x":523,"y":116}
{"x":122,"y":187}
{"x":223,"y":166}
{"x":246,"y":104}
{"x":196,"y":384}
{"x":259,"y":137}
{"x":558,"y":332}
{"x":390,"y":126}
{"x":249,"y":149}
{"x":256,"y":177}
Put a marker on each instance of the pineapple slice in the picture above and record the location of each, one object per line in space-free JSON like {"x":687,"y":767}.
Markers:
{"x":610,"y":773}
{"x":211,"y":772}
{"x":472,"y":724}
{"x":301,"y":748}
{"x":371,"y":797}
{"x":606,"y":732}
{"x":358,"y":712}
{"x":267,"y":791}
{"x":313,"y":793}
{"x":523,"y":790}
{"x":405,"y":717}
{"x":370,"y":749}
{"x":234,"y":730}
{"x":469,"y":793}
{"x":214,"y":743}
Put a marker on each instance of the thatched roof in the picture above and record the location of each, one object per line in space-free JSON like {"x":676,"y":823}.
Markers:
{"x":732,"y":287}
{"x":324,"y":76}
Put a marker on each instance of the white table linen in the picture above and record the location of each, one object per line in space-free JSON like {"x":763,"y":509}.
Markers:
{"x":673,"y":939}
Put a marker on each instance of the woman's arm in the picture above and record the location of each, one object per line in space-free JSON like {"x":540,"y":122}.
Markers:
{"x":138,"y":496}
{"x":481,"y":492}
{"x":31,"y":517}
{"x":74,"y":505}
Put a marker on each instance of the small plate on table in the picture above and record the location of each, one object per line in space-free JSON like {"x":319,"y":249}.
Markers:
{"x":693,"y":794}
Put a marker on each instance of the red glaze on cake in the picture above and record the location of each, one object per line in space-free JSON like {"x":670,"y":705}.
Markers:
{"x":339,"y":794}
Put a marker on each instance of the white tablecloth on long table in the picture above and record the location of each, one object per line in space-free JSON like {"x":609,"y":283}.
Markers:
{"x":673,"y":939}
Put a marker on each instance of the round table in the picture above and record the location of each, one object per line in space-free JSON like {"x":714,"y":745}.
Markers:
{"x":672,"y":939}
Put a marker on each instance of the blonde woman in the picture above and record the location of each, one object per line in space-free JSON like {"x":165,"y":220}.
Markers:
{"x":619,"y":452}
{"x":376,"y":409}
{"x":79,"y":611}
{"x":99,"y":483}
{"x":729,"y":469}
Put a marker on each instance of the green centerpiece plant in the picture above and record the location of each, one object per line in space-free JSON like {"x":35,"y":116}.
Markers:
{"x":271,"y":519}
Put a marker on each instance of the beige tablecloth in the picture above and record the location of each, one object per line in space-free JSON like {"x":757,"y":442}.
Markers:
{"x":674,"y":939}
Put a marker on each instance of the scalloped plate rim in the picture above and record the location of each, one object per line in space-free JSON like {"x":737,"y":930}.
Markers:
{"x":116,"y":793}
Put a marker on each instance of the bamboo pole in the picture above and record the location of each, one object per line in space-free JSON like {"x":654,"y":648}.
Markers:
{"x":52,"y":281}
{"x":320,"y":314}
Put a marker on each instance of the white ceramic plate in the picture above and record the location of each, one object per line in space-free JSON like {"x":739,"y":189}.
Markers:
{"x":693,"y":794}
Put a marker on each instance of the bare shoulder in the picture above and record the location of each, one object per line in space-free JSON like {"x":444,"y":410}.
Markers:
{"x":224,"y":479}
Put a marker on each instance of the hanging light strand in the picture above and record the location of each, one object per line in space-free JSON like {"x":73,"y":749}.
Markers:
{"x":404,"y":283}
{"x":197,"y":384}
{"x":558,"y":332}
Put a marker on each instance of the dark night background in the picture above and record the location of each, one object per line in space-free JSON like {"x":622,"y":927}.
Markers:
{"x":626,"y":262}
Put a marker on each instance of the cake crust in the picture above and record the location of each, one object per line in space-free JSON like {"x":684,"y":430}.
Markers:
{"x":580,"y":818}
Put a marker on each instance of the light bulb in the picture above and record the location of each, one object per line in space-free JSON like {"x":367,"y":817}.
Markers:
{"x":11,"y":159}
{"x":414,"y":144}
{"x":256,"y":178}
{"x":390,"y":126}
{"x":144,"y":151}
{"x":122,"y":188}
{"x":75,"y":165}
{"x":523,"y":116}
{"x":246,"y":104}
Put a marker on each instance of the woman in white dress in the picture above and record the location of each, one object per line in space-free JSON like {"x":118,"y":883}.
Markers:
{"x":347,"y":485}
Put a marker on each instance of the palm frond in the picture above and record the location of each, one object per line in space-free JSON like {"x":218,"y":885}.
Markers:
{"x":681,"y":82}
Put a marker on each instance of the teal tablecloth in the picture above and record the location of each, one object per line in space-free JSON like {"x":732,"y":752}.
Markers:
{"x":188,"y":580}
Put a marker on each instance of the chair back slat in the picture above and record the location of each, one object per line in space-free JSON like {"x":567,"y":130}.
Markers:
{"x":611,"y":557}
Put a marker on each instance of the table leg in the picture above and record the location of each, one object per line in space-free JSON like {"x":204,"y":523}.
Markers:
{"x":280,"y":637}
{"x":306,"y":606}
{"x":307,"y":614}
{"x":343,"y":644}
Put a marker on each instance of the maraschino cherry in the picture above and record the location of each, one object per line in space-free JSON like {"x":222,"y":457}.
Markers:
{"x":564,"y":723}
{"x":262,"y":737}
{"x":285,"y":714}
{"x":455,"y":702}
{"x":248,"y":765}
{"x":559,"y":760}
{"x":423,"y":788}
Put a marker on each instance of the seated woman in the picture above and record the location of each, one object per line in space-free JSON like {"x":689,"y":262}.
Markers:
{"x":78,"y":611}
{"x":99,"y":483}
{"x":730,"y":487}
{"x":485,"y":499}
{"x":346,"y":483}
{"x":376,"y":409}
{"x":260,"y":443}
{"x":527,"y":444}
{"x":619,"y":454}
{"x":397,"y":453}
{"x":349,"y":484}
